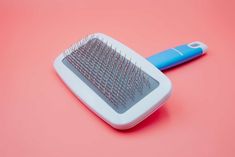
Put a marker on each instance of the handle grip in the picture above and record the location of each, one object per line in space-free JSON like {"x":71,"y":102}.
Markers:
{"x":178,"y":55}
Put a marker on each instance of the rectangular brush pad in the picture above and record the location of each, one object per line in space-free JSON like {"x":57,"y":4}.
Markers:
{"x":116,"y":79}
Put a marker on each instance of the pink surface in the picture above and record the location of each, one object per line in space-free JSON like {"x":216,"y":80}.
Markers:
{"x":40,"y":117}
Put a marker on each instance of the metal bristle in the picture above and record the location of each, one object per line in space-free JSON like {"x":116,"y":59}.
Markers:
{"x":116,"y":77}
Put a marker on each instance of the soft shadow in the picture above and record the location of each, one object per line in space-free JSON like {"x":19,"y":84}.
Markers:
{"x":153,"y":120}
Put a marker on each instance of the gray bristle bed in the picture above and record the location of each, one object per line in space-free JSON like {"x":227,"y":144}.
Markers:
{"x":118,"y":81}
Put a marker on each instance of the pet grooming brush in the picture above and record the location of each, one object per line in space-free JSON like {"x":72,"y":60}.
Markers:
{"x":115,"y":82}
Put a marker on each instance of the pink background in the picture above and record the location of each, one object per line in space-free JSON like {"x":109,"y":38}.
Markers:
{"x":40,"y":117}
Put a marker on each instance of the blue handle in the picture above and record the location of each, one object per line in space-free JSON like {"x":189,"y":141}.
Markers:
{"x":178,"y":55}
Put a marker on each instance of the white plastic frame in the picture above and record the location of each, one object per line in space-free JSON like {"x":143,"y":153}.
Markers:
{"x":137,"y":112}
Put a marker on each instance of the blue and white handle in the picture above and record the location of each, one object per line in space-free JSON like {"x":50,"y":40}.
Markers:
{"x":180,"y":54}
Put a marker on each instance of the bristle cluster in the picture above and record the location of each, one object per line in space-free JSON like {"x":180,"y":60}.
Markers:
{"x":115,"y":76}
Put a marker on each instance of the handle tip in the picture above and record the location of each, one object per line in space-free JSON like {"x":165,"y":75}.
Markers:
{"x":197,"y":44}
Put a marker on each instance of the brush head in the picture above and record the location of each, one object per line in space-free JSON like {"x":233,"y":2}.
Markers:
{"x":116,"y":75}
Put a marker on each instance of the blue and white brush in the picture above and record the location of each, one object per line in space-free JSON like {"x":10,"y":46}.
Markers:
{"x":115,"y":82}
